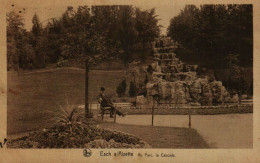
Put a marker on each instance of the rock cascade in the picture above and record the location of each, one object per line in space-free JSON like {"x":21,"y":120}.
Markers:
{"x":175,"y":82}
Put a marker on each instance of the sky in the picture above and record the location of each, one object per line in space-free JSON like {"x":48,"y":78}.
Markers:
{"x":165,"y":9}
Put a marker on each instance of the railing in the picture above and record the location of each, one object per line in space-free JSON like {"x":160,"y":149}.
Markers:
{"x":162,"y":106}
{"x":243,"y":103}
{"x":97,"y":106}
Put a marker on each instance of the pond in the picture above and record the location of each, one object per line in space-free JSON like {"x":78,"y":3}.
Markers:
{"x":219,"y":131}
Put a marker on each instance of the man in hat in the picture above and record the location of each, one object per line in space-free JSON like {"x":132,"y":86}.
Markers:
{"x":106,"y":102}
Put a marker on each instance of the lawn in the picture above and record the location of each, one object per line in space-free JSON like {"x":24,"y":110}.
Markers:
{"x":31,"y":95}
{"x":161,"y":137}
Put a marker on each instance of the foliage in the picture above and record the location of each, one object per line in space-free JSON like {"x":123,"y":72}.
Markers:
{"x":132,"y":89}
{"x":69,"y":118}
{"x":90,"y":36}
{"x":15,"y":37}
{"x":147,"y":28}
{"x":24,"y":49}
{"x":61,"y":62}
{"x":107,"y":32}
{"x":90,"y":137}
{"x":37,"y":27}
{"x":231,"y":60}
{"x":121,"y":88}
{"x":211,"y":34}
{"x":127,"y":33}
{"x":237,"y":81}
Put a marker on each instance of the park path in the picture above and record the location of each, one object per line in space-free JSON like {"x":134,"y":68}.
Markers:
{"x":25,"y":72}
{"x":219,"y":131}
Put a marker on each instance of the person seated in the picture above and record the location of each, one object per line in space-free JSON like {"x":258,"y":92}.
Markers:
{"x":106,"y":102}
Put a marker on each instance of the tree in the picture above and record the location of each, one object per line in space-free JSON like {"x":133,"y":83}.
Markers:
{"x":210,"y":33}
{"x":132,"y":89}
{"x":121,"y":88}
{"x":53,"y":34}
{"x":105,"y":21}
{"x":37,"y":27}
{"x":83,"y":42}
{"x":147,"y":28}
{"x":15,"y":40}
{"x":89,"y":36}
{"x":231,"y":60}
{"x":127,"y":33}
{"x":38,"y":42}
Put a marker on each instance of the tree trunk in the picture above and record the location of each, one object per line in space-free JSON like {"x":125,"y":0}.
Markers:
{"x":86,"y":91}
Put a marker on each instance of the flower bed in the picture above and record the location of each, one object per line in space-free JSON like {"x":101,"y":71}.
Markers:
{"x":210,"y":110}
{"x":90,"y":137}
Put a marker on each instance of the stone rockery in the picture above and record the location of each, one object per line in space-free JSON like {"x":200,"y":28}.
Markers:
{"x":170,"y":81}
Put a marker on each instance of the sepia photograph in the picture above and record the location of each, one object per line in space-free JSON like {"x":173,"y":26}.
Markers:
{"x":136,"y":81}
{"x":125,"y":76}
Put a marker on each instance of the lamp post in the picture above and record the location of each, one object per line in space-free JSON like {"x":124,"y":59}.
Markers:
{"x":155,"y":97}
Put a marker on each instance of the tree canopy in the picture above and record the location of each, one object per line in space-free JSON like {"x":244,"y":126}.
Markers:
{"x":93,"y":33}
{"x":210,"y":34}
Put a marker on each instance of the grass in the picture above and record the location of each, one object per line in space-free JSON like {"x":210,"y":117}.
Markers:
{"x":32,"y":95}
{"x":161,"y":137}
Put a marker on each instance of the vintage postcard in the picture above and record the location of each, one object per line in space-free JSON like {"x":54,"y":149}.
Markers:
{"x":130,"y":81}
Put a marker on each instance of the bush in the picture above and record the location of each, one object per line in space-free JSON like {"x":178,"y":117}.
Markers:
{"x":121,"y":89}
{"x":132,"y":89}
{"x":70,"y":118}
{"x":141,"y":91}
{"x":62,"y":63}
{"x":238,"y":81}
{"x":71,"y":130}
{"x":90,"y":137}
{"x":38,"y":63}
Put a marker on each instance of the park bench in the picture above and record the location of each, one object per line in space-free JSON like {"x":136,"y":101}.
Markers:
{"x":105,"y":110}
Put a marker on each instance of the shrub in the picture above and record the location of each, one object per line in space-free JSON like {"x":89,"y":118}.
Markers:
{"x":38,"y":63}
{"x":69,"y":118}
{"x":61,"y":62}
{"x":91,"y":137}
{"x":121,"y":88}
{"x":238,"y":80}
{"x":141,"y":91}
{"x":132,"y":89}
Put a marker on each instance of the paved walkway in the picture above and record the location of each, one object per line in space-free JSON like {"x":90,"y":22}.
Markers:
{"x":219,"y":131}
